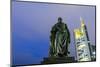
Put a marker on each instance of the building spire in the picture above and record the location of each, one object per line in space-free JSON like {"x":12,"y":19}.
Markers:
{"x":82,"y":22}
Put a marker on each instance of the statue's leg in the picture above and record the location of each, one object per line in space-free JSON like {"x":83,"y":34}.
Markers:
{"x":64,"y":49}
{"x":59,"y":44}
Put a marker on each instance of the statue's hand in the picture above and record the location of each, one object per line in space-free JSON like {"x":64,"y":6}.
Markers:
{"x":68,"y":52}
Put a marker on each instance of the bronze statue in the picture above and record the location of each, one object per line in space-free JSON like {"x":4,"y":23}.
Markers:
{"x":59,"y":40}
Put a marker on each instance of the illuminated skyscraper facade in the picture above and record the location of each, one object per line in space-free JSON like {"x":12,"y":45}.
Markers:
{"x":82,"y":43}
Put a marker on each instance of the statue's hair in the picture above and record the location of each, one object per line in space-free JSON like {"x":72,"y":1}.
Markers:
{"x":59,"y":18}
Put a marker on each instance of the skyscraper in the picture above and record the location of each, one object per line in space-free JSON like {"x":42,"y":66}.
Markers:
{"x":82,"y":43}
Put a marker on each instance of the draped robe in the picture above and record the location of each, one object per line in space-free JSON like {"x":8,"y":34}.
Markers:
{"x":59,"y":40}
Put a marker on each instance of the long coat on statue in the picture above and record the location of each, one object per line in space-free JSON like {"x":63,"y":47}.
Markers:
{"x":59,"y":40}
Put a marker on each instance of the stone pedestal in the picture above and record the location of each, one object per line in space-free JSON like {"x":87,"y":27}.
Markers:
{"x":56,"y":60}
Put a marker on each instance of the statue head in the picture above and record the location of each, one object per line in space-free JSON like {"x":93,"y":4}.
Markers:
{"x":59,"y":20}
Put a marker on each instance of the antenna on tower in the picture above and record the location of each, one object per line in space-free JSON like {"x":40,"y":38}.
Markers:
{"x":82,"y":21}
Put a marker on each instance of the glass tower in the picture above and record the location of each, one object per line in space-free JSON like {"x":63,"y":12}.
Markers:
{"x":82,"y":43}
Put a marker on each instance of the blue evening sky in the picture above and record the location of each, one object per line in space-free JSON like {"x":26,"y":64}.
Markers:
{"x":31,"y":25}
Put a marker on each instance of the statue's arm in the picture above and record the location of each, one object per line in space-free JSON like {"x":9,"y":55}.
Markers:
{"x":53,"y":33}
{"x":68,"y":33}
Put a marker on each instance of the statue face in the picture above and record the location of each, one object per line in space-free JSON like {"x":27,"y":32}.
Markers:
{"x":59,"y":20}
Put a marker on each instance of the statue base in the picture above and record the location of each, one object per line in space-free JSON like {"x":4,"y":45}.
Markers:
{"x":56,"y":60}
